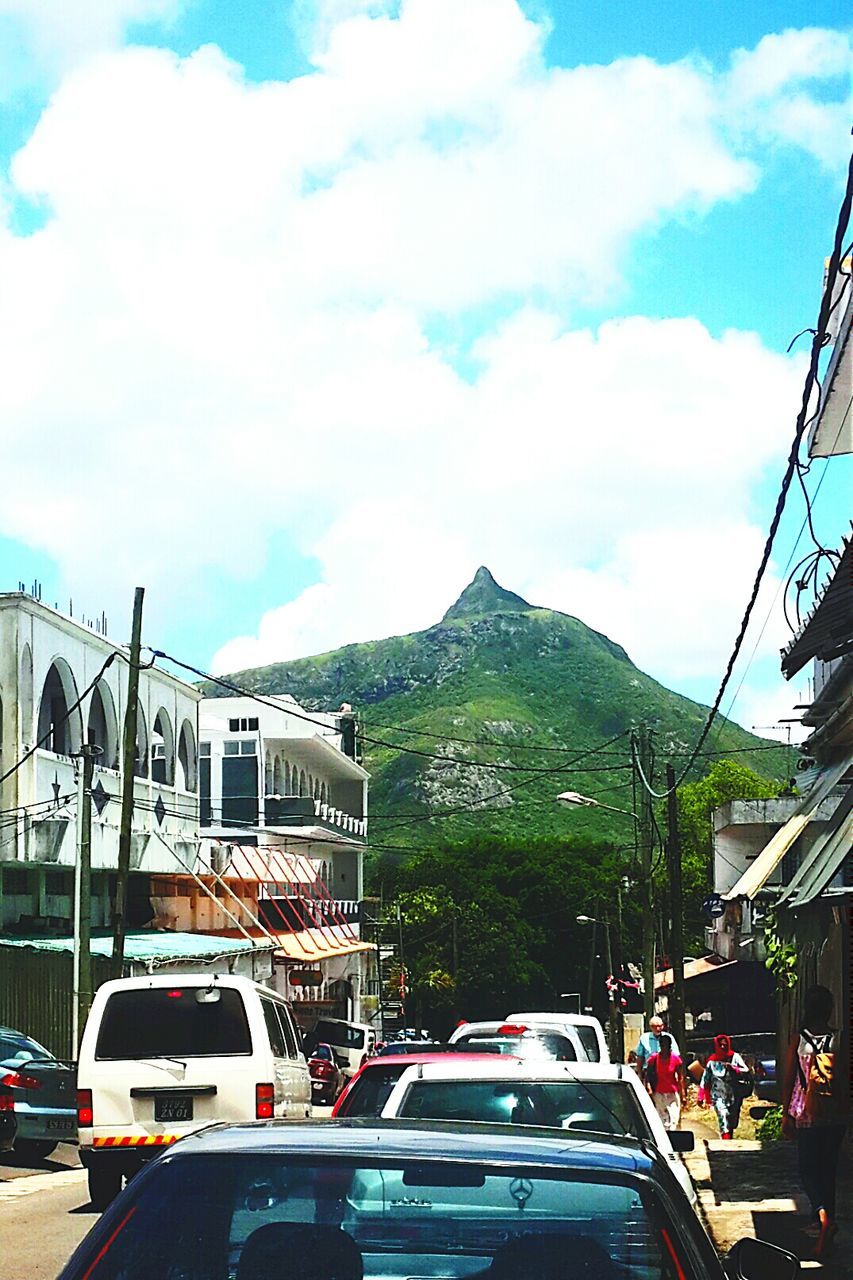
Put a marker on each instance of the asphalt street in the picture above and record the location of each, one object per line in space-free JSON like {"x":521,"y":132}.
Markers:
{"x":45,"y":1212}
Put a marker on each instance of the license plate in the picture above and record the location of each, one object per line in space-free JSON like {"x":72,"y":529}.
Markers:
{"x":172,"y":1109}
{"x":63,"y":1126}
{"x":316,"y":1084}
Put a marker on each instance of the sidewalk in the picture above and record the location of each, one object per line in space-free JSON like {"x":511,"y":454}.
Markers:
{"x":751,"y":1189}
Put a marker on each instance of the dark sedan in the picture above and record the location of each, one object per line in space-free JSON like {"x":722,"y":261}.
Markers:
{"x":40,"y":1094}
{"x":352,"y":1200}
{"x":327,"y":1079}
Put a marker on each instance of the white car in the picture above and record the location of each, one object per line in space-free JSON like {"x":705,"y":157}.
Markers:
{"x":578,"y":1097}
{"x":539,"y":1044}
{"x":588,"y":1028}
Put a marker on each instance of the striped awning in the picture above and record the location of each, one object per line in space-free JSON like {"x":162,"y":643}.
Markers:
{"x":825,"y":858}
{"x":759,"y":872}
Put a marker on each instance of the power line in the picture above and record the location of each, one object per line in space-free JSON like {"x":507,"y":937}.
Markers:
{"x":826,"y":308}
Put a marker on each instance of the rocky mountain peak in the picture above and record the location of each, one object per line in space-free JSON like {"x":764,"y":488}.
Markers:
{"x":484,"y":595}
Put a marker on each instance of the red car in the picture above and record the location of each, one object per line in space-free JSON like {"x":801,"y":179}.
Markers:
{"x":370,"y":1087}
{"x":327,"y":1079}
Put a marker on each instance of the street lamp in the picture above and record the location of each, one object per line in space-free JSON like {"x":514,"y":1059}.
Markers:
{"x":574,"y":800}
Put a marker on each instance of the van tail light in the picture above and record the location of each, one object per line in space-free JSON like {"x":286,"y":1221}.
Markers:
{"x":264,"y":1101}
{"x":17,"y":1080}
{"x":7,"y":1102}
{"x":85,"y":1115}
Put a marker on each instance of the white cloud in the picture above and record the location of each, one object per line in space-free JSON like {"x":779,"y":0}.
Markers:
{"x":223,"y":329}
{"x":59,"y":33}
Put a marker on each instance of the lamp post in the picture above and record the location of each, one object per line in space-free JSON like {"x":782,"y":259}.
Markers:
{"x":614,"y":1019}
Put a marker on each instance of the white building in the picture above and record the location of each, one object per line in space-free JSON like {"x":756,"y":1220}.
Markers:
{"x":47,"y":660}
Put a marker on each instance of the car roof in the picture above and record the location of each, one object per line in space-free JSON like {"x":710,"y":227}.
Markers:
{"x":185,"y":980}
{"x":413,"y":1059}
{"x":402,"y":1139}
{"x":492,"y":1029}
{"x":484,"y":1066}
{"x":575,"y":1019}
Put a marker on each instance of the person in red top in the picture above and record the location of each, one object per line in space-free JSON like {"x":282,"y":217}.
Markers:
{"x":665,"y":1082}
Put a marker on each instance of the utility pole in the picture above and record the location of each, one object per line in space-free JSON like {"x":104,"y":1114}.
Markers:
{"x":641,"y":755}
{"x":614,"y":993}
{"x":591,"y":978}
{"x":454,"y":941}
{"x":82,"y":961}
{"x":618,"y":1047}
{"x":128,"y":779}
{"x":676,"y":946}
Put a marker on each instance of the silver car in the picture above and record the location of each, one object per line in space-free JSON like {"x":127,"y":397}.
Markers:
{"x":42,"y":1091}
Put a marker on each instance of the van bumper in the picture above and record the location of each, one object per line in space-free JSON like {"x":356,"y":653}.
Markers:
{"x":128,"y":1159}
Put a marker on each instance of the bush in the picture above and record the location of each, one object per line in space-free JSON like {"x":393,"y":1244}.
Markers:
{"x":770,"y":1128}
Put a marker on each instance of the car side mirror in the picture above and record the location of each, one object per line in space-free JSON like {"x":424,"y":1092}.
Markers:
{"x":681,"y":1139}
{"x":752,"y":1259}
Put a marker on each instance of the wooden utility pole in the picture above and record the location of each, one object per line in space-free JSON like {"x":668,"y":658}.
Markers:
{"x":641,"y":754}
{"x":676,"y":946}
{"x":128,"y":779}
{"x":82,"y":962}
{"x":617,"y":1051}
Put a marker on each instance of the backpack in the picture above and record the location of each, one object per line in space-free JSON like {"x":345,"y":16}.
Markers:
{"x":819,"y":1088}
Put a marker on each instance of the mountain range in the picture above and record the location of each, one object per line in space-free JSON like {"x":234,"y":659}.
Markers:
{"x":472,"y":726}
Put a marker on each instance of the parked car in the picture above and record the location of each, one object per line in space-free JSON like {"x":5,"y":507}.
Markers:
{"x":163,"y":1055}
{"x":7,"y":1119}
{"x":353,"y":1042}
{"x":346,"y":1200}
{"x":589,"y":1030}
{"x":369,"y":1090}
{"x":41,"y":1101}
{"x":766,"y":1081}
{"x":597,"y":1098}
{"x":520,"y":1041}
{"x":327,"y":1079}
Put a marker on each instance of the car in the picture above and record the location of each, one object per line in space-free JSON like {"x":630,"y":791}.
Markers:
{"x":346,"y":1200}
{"x":353,"y":1042}
{"x":41,"y":1093}
{"x":766,"y":1080}
{"x":165,"y":1054}
{"x":520,"y":1041}
{"x":580,"y":1097}
{"x":589,"y":1030}
{"x":7,"y":1119}
{"x":368,"y":1091}
{"x":395,"y":1048}
{"x":327,"y":1079}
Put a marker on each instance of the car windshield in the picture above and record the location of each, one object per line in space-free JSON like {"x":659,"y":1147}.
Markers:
{"x":371,"y":1090}
{"x":599,"y":1107}
{"x":251,"y":1217}
{"x":170,"y":1022}
{"x":415,"y":1046}
{"x":341,"y":1034}
{"x":12,"y":1044}
{"x":589,"y":1040}
{"x":544,"y":1046}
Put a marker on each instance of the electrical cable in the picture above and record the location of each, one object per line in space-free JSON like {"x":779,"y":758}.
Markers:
{"x":826,"y":309}
{"x":68,"y":712}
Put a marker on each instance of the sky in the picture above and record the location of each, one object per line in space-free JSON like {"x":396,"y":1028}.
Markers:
{"x":310,"y":308}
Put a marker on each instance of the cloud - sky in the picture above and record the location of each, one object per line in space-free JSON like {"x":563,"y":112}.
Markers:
{"x":354,"y":309}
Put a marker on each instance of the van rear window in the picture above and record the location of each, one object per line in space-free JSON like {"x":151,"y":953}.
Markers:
{"x":341,"y":1034}
{"x":169,"y":1022}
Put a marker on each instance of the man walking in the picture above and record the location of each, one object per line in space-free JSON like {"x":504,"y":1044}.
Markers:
{"x":650,"y":1043}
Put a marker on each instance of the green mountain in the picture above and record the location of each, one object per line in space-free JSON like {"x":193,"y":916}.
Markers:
{"x":474,"y":725}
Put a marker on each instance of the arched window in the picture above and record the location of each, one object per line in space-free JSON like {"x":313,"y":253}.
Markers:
{"x":187,"y":758}
{"x":276,"y":776}
{"x":268,"y":783}
{"x":163,"y":749}
{"x":288,"y":780}
{"x":324,"y":794}
{"x":301,"y":791}
{"x":101,"y":725}
{"x":59,"y":728}
{"x":140,"y":764}
{"x":25,"y":696}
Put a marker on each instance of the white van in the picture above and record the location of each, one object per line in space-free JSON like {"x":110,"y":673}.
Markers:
{"x":589,"y":1030}
{"x":353,"y":1042}
{"x":164,"y":1055}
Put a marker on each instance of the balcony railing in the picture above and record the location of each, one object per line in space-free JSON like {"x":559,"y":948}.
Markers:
{"x":304,"y":811}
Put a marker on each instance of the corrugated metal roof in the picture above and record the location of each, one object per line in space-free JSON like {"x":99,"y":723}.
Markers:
{"x":824,"y":859}
{"x":756,"y":876}
{"x":828,"y":631}
{"x":144,"y":946}
{"x":693,"y":969}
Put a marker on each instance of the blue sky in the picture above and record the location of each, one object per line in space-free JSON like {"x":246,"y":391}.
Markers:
{"x":364,"y":294}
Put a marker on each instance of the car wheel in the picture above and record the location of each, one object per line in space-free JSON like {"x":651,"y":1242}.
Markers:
{"x":32,"y":1149}
{"x":104,"y":1186}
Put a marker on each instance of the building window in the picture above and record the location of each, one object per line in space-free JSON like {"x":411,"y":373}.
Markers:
{"x":234,"y":726}
{"x":204,"y":749}
{"x":247,"y":724}
{"x":248,"y":747}
{"x":231,"y":748}
{"x":15,"y":882}
{"x":58,"y":884}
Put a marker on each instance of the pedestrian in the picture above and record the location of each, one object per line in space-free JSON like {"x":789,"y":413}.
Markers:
{"x":665,"y":1082}
{"x":724,"y":1080}
{"x":649,"y":1043}
{"x":813,"y":1109}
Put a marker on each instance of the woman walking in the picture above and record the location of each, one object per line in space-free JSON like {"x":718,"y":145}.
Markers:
{"x":665,"y":1082}
{"x":813,"y":1109}
{"x":721,"y":1084}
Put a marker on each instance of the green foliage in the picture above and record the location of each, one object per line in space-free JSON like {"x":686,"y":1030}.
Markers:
{"x":770,"y":1128}
{"x":781,"y":954}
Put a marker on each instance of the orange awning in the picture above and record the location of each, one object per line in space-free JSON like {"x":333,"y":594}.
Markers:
{"x":693,"y":969}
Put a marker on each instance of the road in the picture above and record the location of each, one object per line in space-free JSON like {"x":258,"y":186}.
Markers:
{"x":45,"y":1212}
